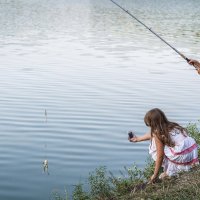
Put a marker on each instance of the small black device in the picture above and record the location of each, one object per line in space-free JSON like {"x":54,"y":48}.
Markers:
{"x":130,"y":134}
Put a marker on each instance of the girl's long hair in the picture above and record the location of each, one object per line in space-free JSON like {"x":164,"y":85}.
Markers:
{"x":161,"y":126}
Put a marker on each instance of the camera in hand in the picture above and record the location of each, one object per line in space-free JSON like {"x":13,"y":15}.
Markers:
{"x":130,"y":134}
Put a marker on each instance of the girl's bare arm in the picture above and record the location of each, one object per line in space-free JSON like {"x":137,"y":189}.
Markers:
{"x":159,"y":159}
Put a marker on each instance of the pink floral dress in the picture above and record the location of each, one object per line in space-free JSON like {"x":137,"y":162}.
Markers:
{"x":181,"y":157}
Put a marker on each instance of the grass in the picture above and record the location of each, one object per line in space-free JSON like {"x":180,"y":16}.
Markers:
{"x":103,"y":185}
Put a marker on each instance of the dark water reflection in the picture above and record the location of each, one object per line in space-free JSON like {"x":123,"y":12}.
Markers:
{"x":96,"y":72}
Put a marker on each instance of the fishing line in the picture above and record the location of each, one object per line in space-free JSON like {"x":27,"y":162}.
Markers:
{"x":45,"y":162}
{"x":178,"y":52}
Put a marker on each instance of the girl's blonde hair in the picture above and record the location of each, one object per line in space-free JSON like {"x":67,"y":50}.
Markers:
{"x":161,"y":126}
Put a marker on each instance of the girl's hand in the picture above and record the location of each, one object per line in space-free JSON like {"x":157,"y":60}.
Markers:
{"x":133,"y":139}
{"x":152,"y":179}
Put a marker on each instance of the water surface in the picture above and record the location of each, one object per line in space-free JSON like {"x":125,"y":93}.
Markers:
{"x":96,"y":72}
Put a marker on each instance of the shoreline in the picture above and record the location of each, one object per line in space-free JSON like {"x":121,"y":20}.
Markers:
{"x":132,"y":184}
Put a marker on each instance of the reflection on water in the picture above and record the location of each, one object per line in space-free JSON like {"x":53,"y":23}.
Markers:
{"x":77,"y":75}
{"x":46,"y":166}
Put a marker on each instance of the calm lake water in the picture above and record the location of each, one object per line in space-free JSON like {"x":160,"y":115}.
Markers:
{"x":96,"y":72}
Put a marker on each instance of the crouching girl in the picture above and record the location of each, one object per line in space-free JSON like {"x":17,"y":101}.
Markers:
{"x":170,"y":147}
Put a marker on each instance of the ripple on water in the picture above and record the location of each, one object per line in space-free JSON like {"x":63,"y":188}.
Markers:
{"x":96,"y":73}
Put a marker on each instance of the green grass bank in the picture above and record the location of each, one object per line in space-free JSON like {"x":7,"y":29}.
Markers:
{"x":131,"y":184}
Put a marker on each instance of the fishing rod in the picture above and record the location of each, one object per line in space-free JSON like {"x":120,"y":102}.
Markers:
{"x":178,"y":52}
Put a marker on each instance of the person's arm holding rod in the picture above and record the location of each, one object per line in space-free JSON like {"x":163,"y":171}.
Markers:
{"x":196,"y":64}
